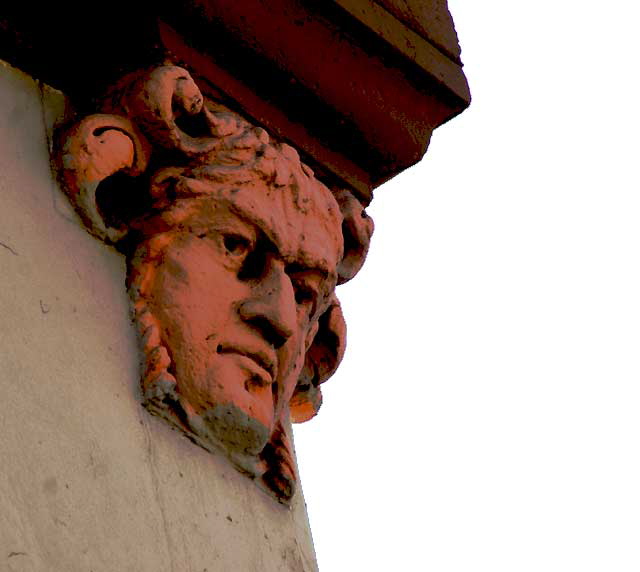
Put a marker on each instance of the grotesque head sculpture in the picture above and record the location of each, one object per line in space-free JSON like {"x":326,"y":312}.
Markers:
{"x":234,"y":250}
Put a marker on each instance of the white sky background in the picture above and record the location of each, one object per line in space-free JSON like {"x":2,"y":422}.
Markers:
{"x":487,"y":414}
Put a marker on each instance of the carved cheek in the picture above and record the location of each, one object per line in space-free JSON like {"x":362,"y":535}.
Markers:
{"x":297,"y":349}
{"x":311,"y":334}
{"x":197,"y":293}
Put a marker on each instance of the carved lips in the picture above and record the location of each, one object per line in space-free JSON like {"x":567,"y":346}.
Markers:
{"x":263,"y":363}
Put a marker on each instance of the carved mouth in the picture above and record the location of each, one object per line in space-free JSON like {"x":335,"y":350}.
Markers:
{"x":261,"y":358}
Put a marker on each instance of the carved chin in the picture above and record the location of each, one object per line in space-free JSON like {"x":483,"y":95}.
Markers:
{"x":222,"y":427}
{"x":228,"y":426}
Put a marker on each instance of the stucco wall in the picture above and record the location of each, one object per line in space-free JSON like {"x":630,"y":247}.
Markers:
{"x":88,"y":480}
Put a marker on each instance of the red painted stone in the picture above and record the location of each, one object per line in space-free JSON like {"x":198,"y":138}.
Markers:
{"x":234,"y":251}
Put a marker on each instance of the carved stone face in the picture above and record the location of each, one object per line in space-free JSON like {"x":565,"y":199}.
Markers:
{"x":240,"y":286}
{"x":234,"y":249}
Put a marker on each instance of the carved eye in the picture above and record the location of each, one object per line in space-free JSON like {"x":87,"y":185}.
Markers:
{"x":305,"y":296}
{"x":236,"y":245}
{"x":306,"y":284}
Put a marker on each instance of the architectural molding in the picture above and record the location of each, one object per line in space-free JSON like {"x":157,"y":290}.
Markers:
{"x":356,"y":87}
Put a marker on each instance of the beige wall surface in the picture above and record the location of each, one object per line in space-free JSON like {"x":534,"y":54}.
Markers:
{"x":89,"y":481}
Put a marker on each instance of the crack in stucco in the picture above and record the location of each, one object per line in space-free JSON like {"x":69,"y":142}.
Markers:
{"x":9,"y":248}
{"x":14,"y":554}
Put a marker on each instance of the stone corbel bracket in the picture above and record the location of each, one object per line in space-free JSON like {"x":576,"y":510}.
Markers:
{"x":173,"y":180}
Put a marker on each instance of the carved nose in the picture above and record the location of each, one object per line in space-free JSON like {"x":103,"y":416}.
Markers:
{"x":271,"y":309}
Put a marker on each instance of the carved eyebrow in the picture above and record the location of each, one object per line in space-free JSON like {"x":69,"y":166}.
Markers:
{"x":236,"y":225}
{"x":267,"y":237}
{"x":225,"y":225}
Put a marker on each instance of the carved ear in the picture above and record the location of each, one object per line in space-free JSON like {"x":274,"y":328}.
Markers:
{"x":321,"y":361}
{"x":357,"y":229}
{"x":95,"y":149}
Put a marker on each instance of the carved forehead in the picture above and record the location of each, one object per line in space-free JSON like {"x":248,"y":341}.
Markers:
{"x":305,"y":228}
{"x":308,"y":231}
